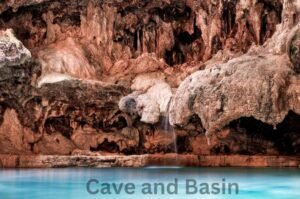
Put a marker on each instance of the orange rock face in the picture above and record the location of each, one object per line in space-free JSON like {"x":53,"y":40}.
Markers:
{"x":150,"y":77}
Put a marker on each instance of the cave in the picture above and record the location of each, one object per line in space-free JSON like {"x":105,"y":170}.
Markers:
{"x":128,"y":10}
{"x":174,"y":56}
{"x":223,"y":149}
{"x":132,"y":33}
{"x":216,"y":44}
{"x":183,"y":40}
{"x":183,"y":144}
{"x":107,"y":146}
{"x":72,"y":19}
{"x":171,"y":13}
{"x":3,"y":107}
{"x":119,"y":122}
{"x":285,"y":137}
{"x":271,"y":15}
{"x":59,"y":125}
{"x":228,"y":17}
{"x":21,"y":30}
{"x":73,"y":72}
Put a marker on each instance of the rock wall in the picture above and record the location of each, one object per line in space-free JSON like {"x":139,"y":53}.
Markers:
{"x":110,"y":32}
{"x":97,"y":77}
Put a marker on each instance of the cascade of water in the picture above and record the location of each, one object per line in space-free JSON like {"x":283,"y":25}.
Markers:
{"x":169,"y":128}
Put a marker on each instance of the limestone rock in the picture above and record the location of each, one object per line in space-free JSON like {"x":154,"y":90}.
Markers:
{"x":253,"y":85}
{"x":12,"y":51}
{"x":150,"y":99}
{"x":104,"y":77}
{"x":115,"y":35}
{"x":244,"y":87}
{"x":41,"y":118}
{"x":68,"y":58}
{"x":14,"y":137}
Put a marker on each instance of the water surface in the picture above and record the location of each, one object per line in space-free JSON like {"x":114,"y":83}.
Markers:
{"x":72,"y":183}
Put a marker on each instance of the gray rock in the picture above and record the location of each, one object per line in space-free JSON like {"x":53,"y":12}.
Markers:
{"x":12,"y":51}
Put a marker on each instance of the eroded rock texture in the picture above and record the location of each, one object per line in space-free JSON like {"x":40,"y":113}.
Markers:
{"x":98,"y":77}
{"x":176,"y":31}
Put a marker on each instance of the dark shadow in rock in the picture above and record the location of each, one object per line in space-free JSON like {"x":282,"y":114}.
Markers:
{"x":228,"y":17}
{"x":183,"y":144}
{"x":294,"y":51}
{"x":272,"y":11}
{"x":69,"y":19}
{"x":59,"y":124}
{"x":285,"y":138}
{"x":107,"y":146}
{"x":185,"y":38}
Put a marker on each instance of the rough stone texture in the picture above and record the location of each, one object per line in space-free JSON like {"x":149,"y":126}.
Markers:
{"x":45,"y":119}
{"x":108,"y":77}
{"x":294,"y":50}
{"x":248,"y":86}
{"x":252,"y":85}
{"x":43,"y":161}
{"x":111,"y":33}
{"x":150,"y":100}
{"x":12,"y":51}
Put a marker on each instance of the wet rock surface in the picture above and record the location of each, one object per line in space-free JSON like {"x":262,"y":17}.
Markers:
{"x":99,"y":78}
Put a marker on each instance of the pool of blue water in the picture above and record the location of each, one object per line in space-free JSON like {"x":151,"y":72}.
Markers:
{"x":73,"y":183}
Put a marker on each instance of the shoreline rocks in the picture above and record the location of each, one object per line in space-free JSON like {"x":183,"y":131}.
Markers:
{"x":43,"y":161}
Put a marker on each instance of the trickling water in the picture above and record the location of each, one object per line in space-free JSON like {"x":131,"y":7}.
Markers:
{"x":169,"y":128}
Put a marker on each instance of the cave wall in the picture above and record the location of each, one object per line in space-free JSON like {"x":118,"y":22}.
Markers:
{"x":66,"y":96}
{"x":177,"y":31}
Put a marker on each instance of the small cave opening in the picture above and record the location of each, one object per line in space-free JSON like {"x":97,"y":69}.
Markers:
{"x":37,"y":19}
{"x":221,"y":149}
{"x":271,"y":16}
{"x":131,"y":151}
{"x":285,"y":138}
{"x":229,"y":16}
{"x":185,"y":38}
{"x":3,"y":107}
{"x":197,"y":123}
{"x":173,"y":13}
{"x":7,"y":15}
{"x":97,"y":124}
{"x":69,"y":18}
{"x":81,"y":122}
{"x":126,"y":37}
{"x":127,"y":10}
{"x":106,"y":146}
{"x":183,"y":144}
{"x":27,"y":23}
{"x":169,"y":13}
{"x":174,"y":56}
{"x":21,"y":32}
{"x":59,"y":124}
{"x":118,"y":123}
{"x":216,"y":45}
{"x":183,"y":45}
{"x":294,"y":52}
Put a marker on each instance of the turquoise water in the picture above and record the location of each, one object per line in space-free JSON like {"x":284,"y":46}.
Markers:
{"x":72,"y":183}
